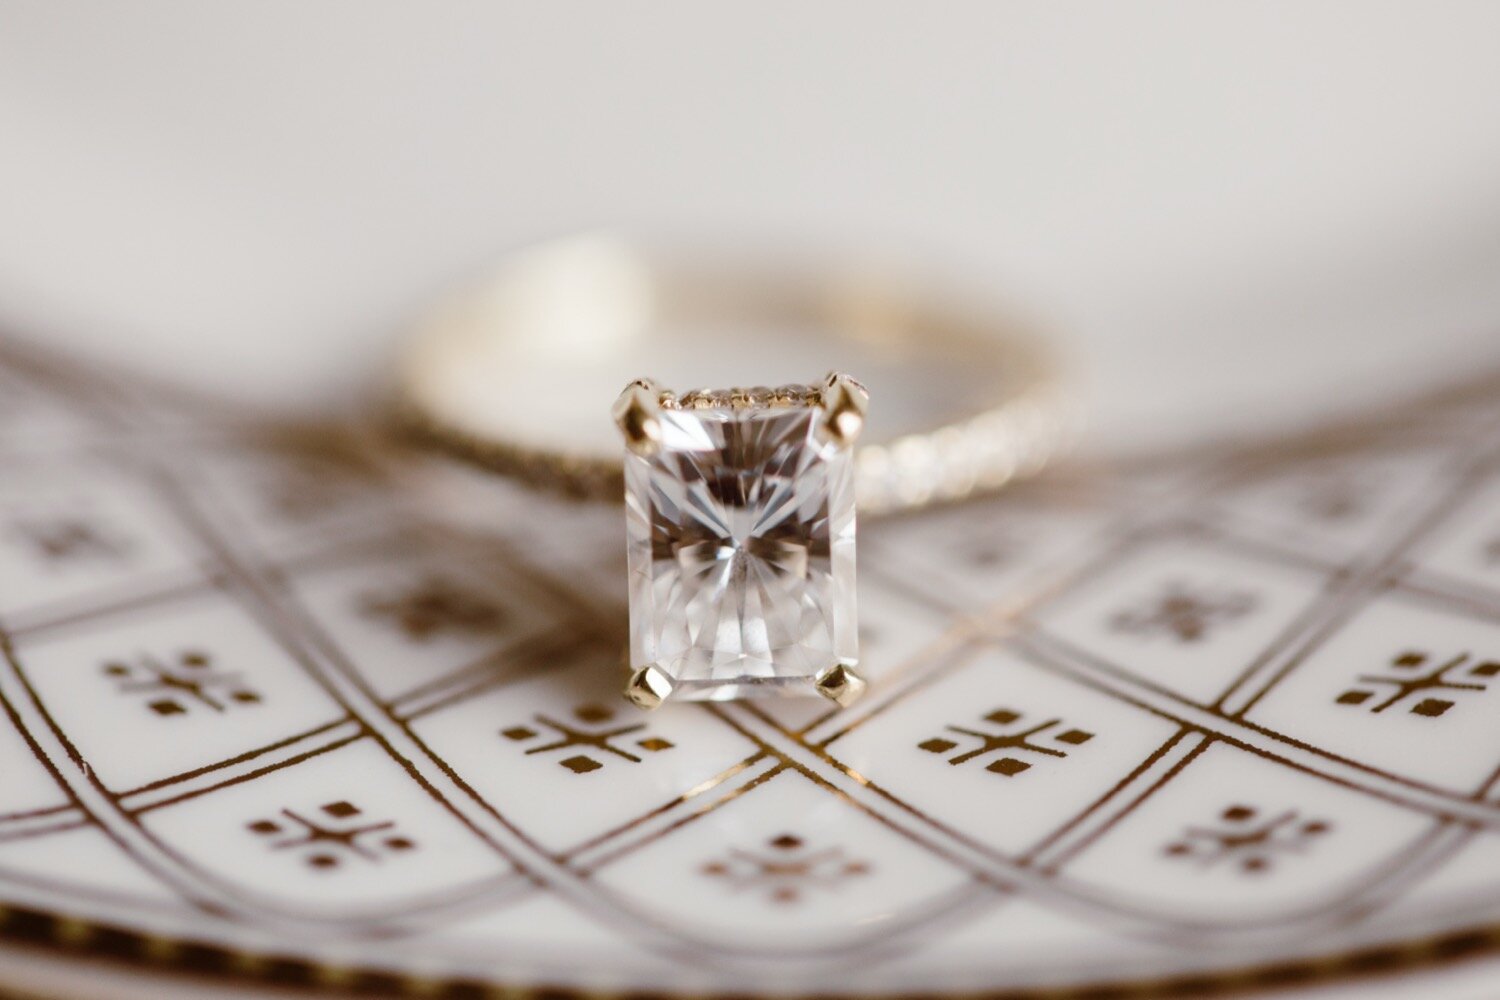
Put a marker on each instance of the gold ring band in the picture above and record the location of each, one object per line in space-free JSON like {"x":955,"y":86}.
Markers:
{"x":497,"y":375}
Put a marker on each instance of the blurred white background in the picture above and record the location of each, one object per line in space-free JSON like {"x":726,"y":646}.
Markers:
{"x":1240,"y":212}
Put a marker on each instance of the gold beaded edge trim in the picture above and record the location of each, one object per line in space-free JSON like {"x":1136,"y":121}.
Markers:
{"x":76,"y":936}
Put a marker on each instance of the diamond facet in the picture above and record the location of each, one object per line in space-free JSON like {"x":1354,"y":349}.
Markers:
{"x":740,"y":527}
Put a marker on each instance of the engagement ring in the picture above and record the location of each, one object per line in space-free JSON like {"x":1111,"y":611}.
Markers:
{"x":740,"y":502}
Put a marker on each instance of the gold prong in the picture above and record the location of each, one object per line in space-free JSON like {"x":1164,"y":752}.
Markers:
{"x":648,"y":688}
{"x":636,"y":414}
{"x":844,"y":404}
{"x":841,"y":684}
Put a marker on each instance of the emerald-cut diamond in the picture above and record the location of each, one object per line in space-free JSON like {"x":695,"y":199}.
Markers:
{"x":740,"y":523}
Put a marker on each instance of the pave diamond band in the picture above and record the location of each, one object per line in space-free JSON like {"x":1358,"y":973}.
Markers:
{"x":503,"y":375}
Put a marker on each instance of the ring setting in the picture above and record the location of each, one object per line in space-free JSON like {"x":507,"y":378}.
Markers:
{"x":740,"y":522}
